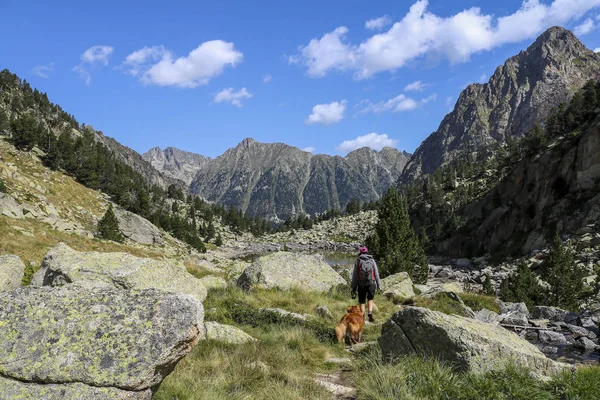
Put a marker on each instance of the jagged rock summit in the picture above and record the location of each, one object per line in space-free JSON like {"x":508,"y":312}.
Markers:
{"x":521,"y":92}
{"x":175,"y":163}
{"x":276,"y":180}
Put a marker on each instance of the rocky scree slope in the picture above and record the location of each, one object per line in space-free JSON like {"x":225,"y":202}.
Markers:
{"x":175,"y":163}
{"x":276,"y":181}
{"x":521,"y":92}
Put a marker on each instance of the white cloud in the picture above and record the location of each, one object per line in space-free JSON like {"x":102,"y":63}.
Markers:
{"x":397,"y":104}
{"x":429,"y":99}
{"x":135,"y":62}
{"x":585,"y":27}
{"x":416,"y":86}
{"x":97,"y":54}
{"x":378,"y":23}
{"x":267,"y":78}
{"x":372,"y":140}
{"x":482,"y":78}
{"x":91,"y":58}
{"x":309,"y":149}
{"x":422,"y":33}
{"x":230,"y":96}
{"x":327,"y":114}
{"x":597,"y":50}
{"x":158,"y":66}
{"x":325,"y":54}
{"x":43,"y":71}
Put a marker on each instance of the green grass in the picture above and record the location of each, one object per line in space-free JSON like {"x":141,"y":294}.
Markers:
{"x":418,"y":378}
{"x":280,"y":366}
{"x":478,"y":302}
{"x":441,"y":303}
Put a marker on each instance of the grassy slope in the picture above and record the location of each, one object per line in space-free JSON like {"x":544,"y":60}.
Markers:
{"x":73,"y":201}
{"x":293,"y":355}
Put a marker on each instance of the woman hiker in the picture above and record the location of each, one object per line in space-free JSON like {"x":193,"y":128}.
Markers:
{"x":365,"y":278}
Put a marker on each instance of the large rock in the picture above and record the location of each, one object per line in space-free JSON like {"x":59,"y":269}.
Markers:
{"x":11,"y":272}
{"x":468,"y":344}
{"x":9,"y":207}
{"x":553,"y":314}
{"x":138,"y":229}
{"x":63,"y":265}
{"x":288,"y":270}
{"x":13,"y":389}
{"x":226,"y":333}
{"x":398,"y":287}
{"x":120,"y":340}
{"x":213,"y":282}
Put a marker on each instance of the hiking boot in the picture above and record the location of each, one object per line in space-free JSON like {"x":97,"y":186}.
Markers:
{"x":371,"y":319}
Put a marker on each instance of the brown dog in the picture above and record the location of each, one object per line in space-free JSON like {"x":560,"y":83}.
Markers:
{"x":351,"y":325}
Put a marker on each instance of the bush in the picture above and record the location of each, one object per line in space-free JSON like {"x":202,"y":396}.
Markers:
{"x":3,"y":188}
{"x":30,"y":270}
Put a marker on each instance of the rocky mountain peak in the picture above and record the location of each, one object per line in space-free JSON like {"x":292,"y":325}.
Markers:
{"x":175,"y":163}
{"x":521,"y":92}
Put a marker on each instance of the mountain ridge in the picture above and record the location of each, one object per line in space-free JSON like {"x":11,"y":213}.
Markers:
{"x":278,"y":180}
{"x":522,"y":91}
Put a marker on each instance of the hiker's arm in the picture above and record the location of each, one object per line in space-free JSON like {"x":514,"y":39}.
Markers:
{"x":377,"y":275}
{"x":354,"y":283}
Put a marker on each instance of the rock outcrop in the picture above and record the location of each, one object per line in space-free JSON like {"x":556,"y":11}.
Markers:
{"x":93,"y":343}
{"x":138,"y":229}
{"x":11,"y":272}
{"x":285,"y":270}
{"x":9,"y":207}
{"x":275,"y":180}
{"x":398,"y":287}
{"x":175,"y":163}
{"x":63,"y":265}
{"x":520,"y":93}
{"x":468,"y":344}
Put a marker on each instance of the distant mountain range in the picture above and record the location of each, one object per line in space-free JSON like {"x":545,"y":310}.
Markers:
{"x":277,"y":181}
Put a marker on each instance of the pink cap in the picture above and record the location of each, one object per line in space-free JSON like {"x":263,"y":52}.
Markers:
{"x":363,"y":249}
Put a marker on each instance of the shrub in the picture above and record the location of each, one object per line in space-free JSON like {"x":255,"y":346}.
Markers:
{"x":3,"y":188}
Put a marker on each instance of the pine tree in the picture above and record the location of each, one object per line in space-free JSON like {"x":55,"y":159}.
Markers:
{"x":523,"y":287}
{"x":564,"y":276}
{"x":488,"y":289}
{"x":219,"y":240}
{"x":108,"y":227}
{"x":394,"y":243}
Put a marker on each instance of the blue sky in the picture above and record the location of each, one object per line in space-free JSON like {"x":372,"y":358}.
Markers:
{"x":326,"y":75}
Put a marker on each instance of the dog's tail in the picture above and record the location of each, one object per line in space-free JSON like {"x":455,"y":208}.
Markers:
{"x":340,"y":331}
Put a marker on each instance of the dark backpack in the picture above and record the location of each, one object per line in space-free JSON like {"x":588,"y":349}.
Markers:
{"x":366,"y":271}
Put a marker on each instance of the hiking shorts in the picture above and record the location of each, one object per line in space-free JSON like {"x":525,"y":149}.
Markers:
{"x":367,"y":292}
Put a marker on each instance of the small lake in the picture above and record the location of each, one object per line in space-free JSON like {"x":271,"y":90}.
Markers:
{"x":333,"y":259}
